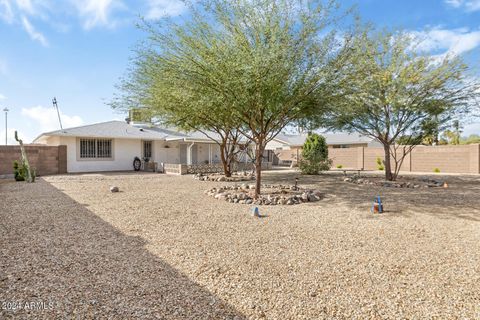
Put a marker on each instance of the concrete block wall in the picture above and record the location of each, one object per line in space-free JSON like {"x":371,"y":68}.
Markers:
{"x":347,"y":158}
{"x":46,"y":160}
{"x":448,"y":159}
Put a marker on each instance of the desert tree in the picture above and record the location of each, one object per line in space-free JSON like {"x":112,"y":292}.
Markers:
{"x":246,"y":67}
{"x":399,"y":95}
{"x":281,"y":59}
{"x":171,"y":78}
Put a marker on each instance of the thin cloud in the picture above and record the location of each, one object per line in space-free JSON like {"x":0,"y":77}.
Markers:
{"x":448,"y":41}
{"x":161,"y":8}
{"x":6,"y":12}
{"x":11,"y":136}
{"x":46,"y":119}
{"x":26,"y":6}
{"x":467,"y":5}
{"x":2,"y":97}
{"x":33,"y":33}
{"x":98,"y":12}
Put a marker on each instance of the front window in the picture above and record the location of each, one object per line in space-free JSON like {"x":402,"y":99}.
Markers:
{"x":147,"y":149}
{"x":95,"y":148}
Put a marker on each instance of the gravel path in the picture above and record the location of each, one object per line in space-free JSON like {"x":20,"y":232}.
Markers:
{"x":161,"y":248}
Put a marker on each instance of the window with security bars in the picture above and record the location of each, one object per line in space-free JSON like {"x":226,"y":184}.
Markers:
{"x":147,"y":149}
{"x":95,"y":148}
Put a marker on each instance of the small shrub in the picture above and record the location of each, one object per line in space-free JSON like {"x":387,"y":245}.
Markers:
{"x":20,"y":172}
{"x":436,"y":170}
{"x":314,"y":155}
{"x":309,"y":167}
{"x":380,"y":165}
{"x":339,"y":166}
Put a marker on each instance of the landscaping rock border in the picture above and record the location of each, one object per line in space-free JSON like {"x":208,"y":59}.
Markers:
{"x":427,"y":183}
{"x":236,"y":177}
{"x":272,"y":194}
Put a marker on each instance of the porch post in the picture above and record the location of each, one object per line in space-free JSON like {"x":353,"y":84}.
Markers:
{"x":189,"y":153}
{"x":210,"y":153}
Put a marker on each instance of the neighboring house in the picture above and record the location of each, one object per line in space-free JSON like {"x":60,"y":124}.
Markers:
{"x":113,"y":145}
{"x":288,"y":147}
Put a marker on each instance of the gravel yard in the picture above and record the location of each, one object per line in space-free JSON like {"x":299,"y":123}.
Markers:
{"x":161,"y":248}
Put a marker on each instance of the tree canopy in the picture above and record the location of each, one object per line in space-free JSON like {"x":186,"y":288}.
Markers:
{"x":251,"y":66}
{"x":398,"y":94}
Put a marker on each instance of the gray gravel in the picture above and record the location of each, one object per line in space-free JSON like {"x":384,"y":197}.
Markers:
{"x":161,"y":248}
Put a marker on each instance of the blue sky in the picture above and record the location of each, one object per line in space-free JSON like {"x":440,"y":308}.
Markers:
{"x":77,"y":49}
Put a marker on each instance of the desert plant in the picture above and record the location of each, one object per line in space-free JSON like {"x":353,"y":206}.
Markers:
{"x":18,"y":171}
{"x":27,"y":172}
{"x":380,"y":164}
{"x":436,"y":170}
{"x":339,"y":166}
{"x":314,"y":155}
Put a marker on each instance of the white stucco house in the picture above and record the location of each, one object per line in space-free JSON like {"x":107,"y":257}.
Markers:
{"x":113,"y":145}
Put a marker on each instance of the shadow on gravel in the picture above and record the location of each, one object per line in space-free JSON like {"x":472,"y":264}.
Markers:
{"x":70,"y":263}
{"x":460,"y":201}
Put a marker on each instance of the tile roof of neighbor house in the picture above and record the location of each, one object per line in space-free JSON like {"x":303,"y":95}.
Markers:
{"x":121,"y":129}
{"x":295,"y":140}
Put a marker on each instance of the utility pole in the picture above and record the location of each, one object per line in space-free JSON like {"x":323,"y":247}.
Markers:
{"x":55,"y":105}
{"x":6,"y":124}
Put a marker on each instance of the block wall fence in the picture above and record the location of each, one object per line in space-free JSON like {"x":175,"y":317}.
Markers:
{"x":45,"y":159}
{"x":448,"y":159}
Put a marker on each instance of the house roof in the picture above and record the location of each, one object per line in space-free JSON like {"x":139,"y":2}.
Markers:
{"x":123,"y":130}
{"x":295,"y":140}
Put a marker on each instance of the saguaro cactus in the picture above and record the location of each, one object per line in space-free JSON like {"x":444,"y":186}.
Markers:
{"x":26,"y":165}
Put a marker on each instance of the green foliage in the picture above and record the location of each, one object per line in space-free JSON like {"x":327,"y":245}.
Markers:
{"x":380,"y":165}
{"x":314,"y":155}
{"x":453,"y":136}
{"x":473,"y":138}
{"x":436,"y":170}
{"x":339,"y":166}
{"x":20,"y":172}
{"x":395,"y":90}
{"x":247,"y":66}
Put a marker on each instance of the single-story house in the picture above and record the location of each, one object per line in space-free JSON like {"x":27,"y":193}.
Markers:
{"x":288,"y":147}
{"x":113,"y":145}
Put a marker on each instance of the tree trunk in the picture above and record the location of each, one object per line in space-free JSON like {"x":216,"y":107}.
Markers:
{"x":259,"y":147}
{"x":227,"y":170}
{"x":387,"y":163}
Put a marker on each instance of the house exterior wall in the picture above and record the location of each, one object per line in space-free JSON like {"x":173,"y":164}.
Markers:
{"x":202,"y":153}
{"x":274,"y":145}
{"x":166,"y":152}
{"x":124,"y":151}
{"x":350,"y":145}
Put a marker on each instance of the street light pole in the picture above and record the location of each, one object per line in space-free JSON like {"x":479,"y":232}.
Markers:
{"x":6,"y":125}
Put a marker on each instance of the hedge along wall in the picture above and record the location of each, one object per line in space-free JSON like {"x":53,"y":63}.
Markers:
{"x":45,"y":159}
{"x":449,"y":159}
